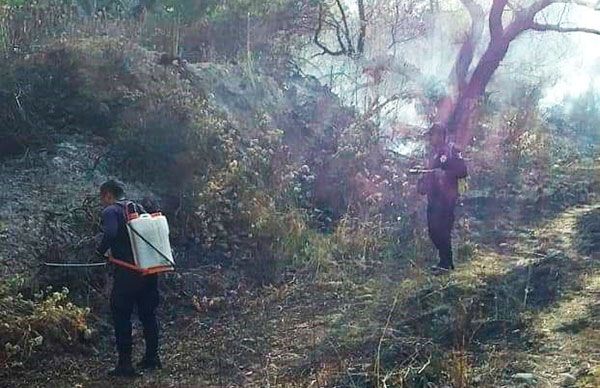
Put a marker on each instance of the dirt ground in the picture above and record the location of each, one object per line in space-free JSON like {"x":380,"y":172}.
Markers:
{"x":290,"y":335}
{"x":524,"y":302}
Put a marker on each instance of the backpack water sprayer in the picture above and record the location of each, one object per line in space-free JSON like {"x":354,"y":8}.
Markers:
{"x":149,"y":237}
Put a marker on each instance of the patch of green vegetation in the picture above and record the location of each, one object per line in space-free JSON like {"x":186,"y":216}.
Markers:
{"x":34,"y":326}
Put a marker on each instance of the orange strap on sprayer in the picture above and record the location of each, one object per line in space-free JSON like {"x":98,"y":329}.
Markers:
{"x":144,"y":272}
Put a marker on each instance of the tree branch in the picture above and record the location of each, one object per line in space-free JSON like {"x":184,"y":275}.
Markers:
{"x":360,"y":46}
{"x":338,"y":35}
{"x":467,"y":50}
{"x":343,"y":35}
{"x":540,"y":5}
{"x":524,"y":19}
{"x":376,"y":107}
{"x":346,"y":29}
{"x":325,"y":49}
{"x":395,"y":24}
{"x":584,"y":3}
{"x":558,"y":28}
{"x":495,"y":19}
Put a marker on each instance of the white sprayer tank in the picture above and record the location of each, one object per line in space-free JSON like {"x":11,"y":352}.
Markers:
{"x":149,"y":235}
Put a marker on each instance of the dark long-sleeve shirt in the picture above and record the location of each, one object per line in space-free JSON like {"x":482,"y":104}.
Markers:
{"x":116,"y":238}
{"x":115,"y":235}
{"x":441,"y":185}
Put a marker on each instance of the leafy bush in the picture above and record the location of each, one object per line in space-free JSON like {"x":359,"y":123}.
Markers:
{"x":526,"y":157}
{"x":32,"y":326}
{"x":161,"y":131}
{"x":27,"y":24}
{"x":239,"y":207}
{"x":242,"y":187}
{"x":62,"y":91}
{"x":206,"y":27}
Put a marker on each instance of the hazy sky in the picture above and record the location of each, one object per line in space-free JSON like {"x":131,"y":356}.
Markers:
{"x":571,"y":59}
{"x":582,"y":64}
{"x":566,"y":63}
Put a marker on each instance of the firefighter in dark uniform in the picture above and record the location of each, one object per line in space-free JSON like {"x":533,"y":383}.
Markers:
{"x":130,"y":289}
{"x":440,"y":184}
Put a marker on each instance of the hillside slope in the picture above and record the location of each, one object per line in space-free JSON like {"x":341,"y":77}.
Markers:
{"x":542,"y":330}
{"x":352,"y":303}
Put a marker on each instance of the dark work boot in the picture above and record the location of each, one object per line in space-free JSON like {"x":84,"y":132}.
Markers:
{"x":124,"y":368}
{"x":151,"y":362}
{"x":445,"y":264}
{"x":439,"y":269}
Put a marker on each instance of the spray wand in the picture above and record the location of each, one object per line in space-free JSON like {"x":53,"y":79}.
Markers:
{"x":74,"y":265}
{"x":77,"y":265}
{"x":421,"y":170}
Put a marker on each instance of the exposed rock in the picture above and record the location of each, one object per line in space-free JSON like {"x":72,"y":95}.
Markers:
{"x":525,"y":377}
{"x":567,"y":380}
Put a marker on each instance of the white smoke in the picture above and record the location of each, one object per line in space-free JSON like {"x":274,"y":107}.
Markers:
{"x":562,"y":64}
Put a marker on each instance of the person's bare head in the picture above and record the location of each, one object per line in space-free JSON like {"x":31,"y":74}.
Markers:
{"x":437,"y":136}
{"x":111,"y":191}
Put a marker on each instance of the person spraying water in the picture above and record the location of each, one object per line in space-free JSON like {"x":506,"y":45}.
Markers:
{"x":131,"y":288}
{"x":440,"y":183}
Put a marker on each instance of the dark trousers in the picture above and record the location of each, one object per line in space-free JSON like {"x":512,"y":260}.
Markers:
{"x":440,"y":219}
{"x":131,"y":290}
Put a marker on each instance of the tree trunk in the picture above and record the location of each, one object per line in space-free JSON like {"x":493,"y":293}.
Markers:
{"x":461,"y":123}
{"x":460,"y":118}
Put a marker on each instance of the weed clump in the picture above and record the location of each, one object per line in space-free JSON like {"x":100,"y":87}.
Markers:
{"x":31,"y":326}
{"x":589,"y":232}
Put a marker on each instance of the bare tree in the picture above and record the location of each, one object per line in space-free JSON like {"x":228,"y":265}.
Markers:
{"x":335,"y":17}
{"x":469,"y":77}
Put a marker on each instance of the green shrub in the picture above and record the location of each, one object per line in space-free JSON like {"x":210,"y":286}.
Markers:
{"x":61,"y":91}
{"x":37,"y":325}
{"x":238,"y":206}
